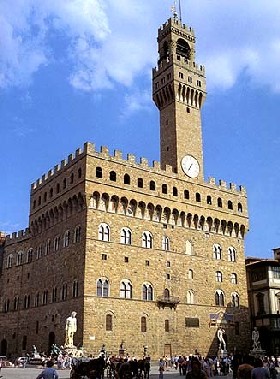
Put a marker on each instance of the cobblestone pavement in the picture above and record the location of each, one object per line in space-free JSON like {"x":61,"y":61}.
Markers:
{"x":31,"y":373}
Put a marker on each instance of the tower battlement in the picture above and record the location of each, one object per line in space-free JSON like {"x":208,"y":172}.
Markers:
{"x":173,"y":22}
{"x":18,"y":236}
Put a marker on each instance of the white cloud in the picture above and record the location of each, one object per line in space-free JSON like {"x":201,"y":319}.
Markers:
{"x":113,"y":41}
{"x":135,"y":102}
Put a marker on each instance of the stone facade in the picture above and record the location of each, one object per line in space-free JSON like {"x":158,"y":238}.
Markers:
{"x":146,"y":255}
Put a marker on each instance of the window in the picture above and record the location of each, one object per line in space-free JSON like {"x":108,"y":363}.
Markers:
{"x":209,"y":200}
{"x":260,"y":303}
{"x":104,"y":257}
{"x":140,"y":183}
{"x":126,"y":289}
{"x":66,"y":238}
{"x":165,"y":243}
{"x":231,"y":254}
{"x":102,"y":288}
{"x":239,"y":208}
{"x":235,"y":300}
{"x":126,"y":259}
{"x":126,"y":179}
{"x":48,"y":247}
{"x":219,"y":202}
{"x":64,"y":292}
{"x":16,"y":303}
{"x":219,"y":298}
{"x":164,"y":188}
{"x":51,"y":192}
{"x":56,"y":243}
{"x":166,"y":325}
{"x":104,"y":232}
{"x":168,"y":264}
{"x":45,"y":297}
{"x":98,"y":172}
{"x":126,"y":236}
{"x":26,"y":302}
{"x":37,"y":300}
{"x":9,"y":261}
{"x":166,"y":294}
{"x":276,"y":272}
{"x":109,"y":323}
{"x":230,"y":205}
{"x":190,"y":297}
{"x":167,"y":276}
{"x":64,"y":183}
{"x":198,"y":197}
{"x":152,"y":185}
{"x":77,"y":234}
{"x":147,"y":263}
{"x":191,"y":322}
{"x":39,"y":252}
{"x":147,"y":240}
{"x":75,"y":288}
{"x":233,"y":278}
{"x":72,"y":178}
{"x":29,"y":255}
{"x":218,"y":276}
{"x":147,"y":291}
{"x":7,"y":306}
{"x":190,"y":274}
{"x":113,"y":176}
{"x":175,"y":191}
{"x":143,"y":324}
{"x":54,"y":295}
{"x":19,"y":258}
{"x":186,"y":194}
{"x":217,"y":251}
{"x":57,"y":188}
{"x":79,"y":173}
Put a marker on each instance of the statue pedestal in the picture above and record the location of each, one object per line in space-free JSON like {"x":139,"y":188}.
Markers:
{"x":257,"y":353}
{"x":222,"y":353}
{"x":77,"y":353}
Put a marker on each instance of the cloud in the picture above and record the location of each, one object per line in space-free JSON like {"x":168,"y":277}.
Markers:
{"x":113,"y":42}
{"x":135,"y":102}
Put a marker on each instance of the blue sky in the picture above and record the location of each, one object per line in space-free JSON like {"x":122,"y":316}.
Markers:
{"x":80,"y":70}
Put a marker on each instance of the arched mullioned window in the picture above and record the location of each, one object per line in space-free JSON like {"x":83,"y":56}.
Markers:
{"x":77,"y":234}
{"x":165,"y":243}
{"x":29,"y":255}
{"x":231,"y":254}
{"x":56,"y":243}
{"x":9,"y":261}
{"x":37,"y":300}
{"x":66,"y":238}
{"x":102,"y":287}
{"x":48,"y":247}
{"x":152,"y":185}
{"x":209,"y":200}
{"x":75,"y":288}
{"x":219,"y":202}
{"x":148,"y":292}
{"x":190,"y":297}
{"x":239,"y":208}
{"x":198,"y":197}
{"x":218,"y":276}
{"x":126,"y":236}
{"x":39,"y":252}
{"x":217,"y":251}
{"x":164,"y":188}
{"x":126,"y":289}
{"x":175,"y":191}
{"x":233,"y":278}
{"x":219,"y":298}
{"x":54,"y":295}
{"x":186,"y":194}
{"x":147,"y":240}
{"x":109,"y":322}
{"x":113,"y":176}
{"x":19,"y":258}
{"x":230,"y":205}
{"x":235,"y":299}
{"x":104,"y":232}
{"x":98,"y":172}
{"x":16,"y":303}
{"x":126,"y":179}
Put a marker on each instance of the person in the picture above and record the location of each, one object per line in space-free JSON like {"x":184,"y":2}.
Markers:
{"x":196,"y":372}
{"x":71,"y":328}
{"x":222,"y":342}
{"x":49,"y":372}
{"x":260,"y":372}
{"x":244,"y":371}
{"x":161,"y":368}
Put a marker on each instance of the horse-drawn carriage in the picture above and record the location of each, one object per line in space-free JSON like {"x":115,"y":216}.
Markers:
{"x":91,"y":368}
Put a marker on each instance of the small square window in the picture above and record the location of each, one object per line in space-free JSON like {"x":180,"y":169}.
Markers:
{"x":126,"y":259}
{"x":168,"y":264}
{"x":147,"y":263}
{"x":104,"y":257}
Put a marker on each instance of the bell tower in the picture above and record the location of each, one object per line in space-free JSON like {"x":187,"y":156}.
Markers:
{"x":179,"y":90}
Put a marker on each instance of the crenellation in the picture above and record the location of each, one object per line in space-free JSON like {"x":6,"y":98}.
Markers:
{"x":117,"y":154}
{"x":144,"y":162}
{"x":232,"y":186}
{"x":56,"y":168}
{"x":223,"y":184}
{"x":63,"y":163}
{"x":104,"y":151}
{"x":89,"y":148}
{"x":70,"y":158}
{"x":78,"y":152}
{"x":131,"y":158}
{"x":212,"y":181}
{"x":156,"y":166}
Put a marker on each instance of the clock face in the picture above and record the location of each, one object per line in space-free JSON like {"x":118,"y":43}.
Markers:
{"x":190,"y":166}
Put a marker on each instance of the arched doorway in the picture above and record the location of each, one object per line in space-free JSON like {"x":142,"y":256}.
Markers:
{"x":3,"y":347}
{"x":51,"y":341}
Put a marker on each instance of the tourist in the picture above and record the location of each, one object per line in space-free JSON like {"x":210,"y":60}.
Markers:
{"x":49,"y":372}
{"x":260,"y":372}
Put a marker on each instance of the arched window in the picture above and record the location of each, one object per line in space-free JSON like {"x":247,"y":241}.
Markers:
{"x":64,"y":184}
{"x":126,"y":236}
{"x":186,"y":194}
{"x":166,"y":294}
{"x":113,"y":176}
{"x":230,"y":205}
{"x":219,"y":202}
{"x":140,"y":183}
{"x":104,"y":232}
{"x":77,"y":234}
{"x":183,"y":49}
{"x":217,"y":251}
{"x":148,"y":293}
{"x":39,"y":252}
{"x":189,"y":248}
{"x":37,"y":300}
{"x":16,"y":303}
{"x":126,"y":179}
{"x":143,"y":324}
{"x":45,"y":297}
{"x":66,"y":238}
{"x":109,"y":322}
{"x":98,"y":172}
{"x":190,"y":274}
{"x":235,"y":300}
{"x":147,"y":240}
{"x":126,"y":289}
{"x":29,"y":255}
{"x":19,"y":258}
{"x":218,"y":276}
{"x":72,"y":178}
{"x":64,"y":292}
{"x":233,"y":278}
{"x":26,"y":302}
{"x":198,"y":197}
{"x":54,"y":295}
{"x":190,"y":297}
{"x":48,"y":247}
{"x":57,"y":188}
{"x":56,"y":243}
{"x":79,"y":173}
{"x":231,"y":254}
{"x":9,"y":261}
{"x":239,"y":208}
{"x":75,"y":288}
{"x":165,"y":243}
{"x":102,"y":288}
{"x":164,"y":188}
{"x":51,"y":192}
{"x":175,"y":191}
{"x":152,"y":185}
{"x":209,"y":200}
{"x":219,"y":298}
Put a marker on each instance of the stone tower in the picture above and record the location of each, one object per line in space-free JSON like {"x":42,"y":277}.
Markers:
{"x":179,"y":90}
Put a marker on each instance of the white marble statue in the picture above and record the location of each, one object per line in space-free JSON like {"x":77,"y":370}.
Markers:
{"x":222,"y":343}
{"x":255,"y":339}
{"x":71,"y":328}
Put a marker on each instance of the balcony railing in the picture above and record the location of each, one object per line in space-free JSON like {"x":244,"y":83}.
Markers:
{"x":170,"y":301}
